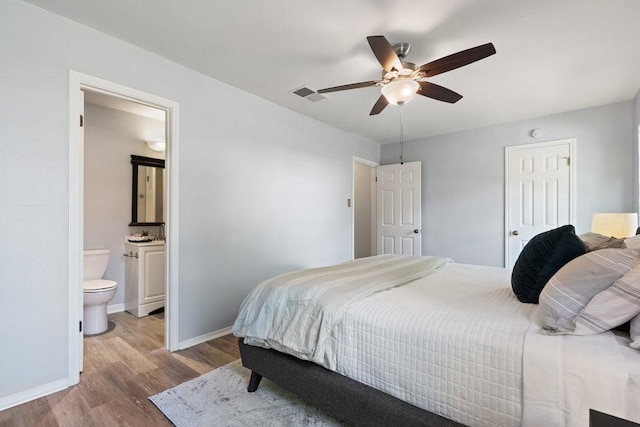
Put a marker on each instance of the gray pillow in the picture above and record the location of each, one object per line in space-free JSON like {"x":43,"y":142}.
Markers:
{"x":596,"y":241}
{"x":612,"y":307}
{"x":570,"y":290}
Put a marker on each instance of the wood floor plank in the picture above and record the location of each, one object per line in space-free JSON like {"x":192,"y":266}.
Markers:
{"x":122,"y":368}
{"x":227,"y":344}
{"x":199,"y":366}
{"x":5,"y":418}
{"x":70,"y":408}
{"x":156,"y":381}
{"x":177,"y":371}
{"x":35,"y":413}
{"x":142,"y":342}
{"x":134,"y":360}
{"x":150,"y":327}
{"x":124,"y":413}
{"x":109,"y":414}
{"x":96,"y":389}
{"x":97,"y":354}
{"x":204,"y":358}
{"x":121,"y":376}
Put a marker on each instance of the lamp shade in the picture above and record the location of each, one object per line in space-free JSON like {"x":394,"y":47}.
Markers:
{"x":400,"y":92}
{"x":617,"y":225}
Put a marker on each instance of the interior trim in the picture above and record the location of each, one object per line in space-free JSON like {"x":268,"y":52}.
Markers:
{"x":32,"y":394}
{"x":77,"y":83}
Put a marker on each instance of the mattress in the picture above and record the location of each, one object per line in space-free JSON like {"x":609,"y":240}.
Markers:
{"x":451,"y":343}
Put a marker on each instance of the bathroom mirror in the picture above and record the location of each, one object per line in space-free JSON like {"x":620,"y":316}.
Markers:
{"x":148,"y":188}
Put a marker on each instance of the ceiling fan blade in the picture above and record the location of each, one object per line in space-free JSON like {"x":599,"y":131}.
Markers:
{"x":438,"y":92}
{"x":457,"y":60}
{"x":380,"y":105}
{"x":383,"y":50}
{"x":349,"y":86}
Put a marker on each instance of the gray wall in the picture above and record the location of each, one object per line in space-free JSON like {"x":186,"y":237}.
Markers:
{"x":110,"y":138}
{"x":463,"y":177}
{"x":262,"y":189}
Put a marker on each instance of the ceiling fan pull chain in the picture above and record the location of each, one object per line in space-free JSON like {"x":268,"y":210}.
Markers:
{"x":401,"y":137}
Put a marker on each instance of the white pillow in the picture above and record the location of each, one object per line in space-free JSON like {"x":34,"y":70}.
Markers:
{"x":633,"y":242}
{"x":634,"y":332}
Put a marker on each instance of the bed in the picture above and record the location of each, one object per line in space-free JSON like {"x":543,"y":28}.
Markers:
{"x":449,"y":345}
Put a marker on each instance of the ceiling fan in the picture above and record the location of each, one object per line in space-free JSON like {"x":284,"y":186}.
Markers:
{"x":402,"y":80}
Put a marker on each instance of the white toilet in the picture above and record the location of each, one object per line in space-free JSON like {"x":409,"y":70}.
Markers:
{"x":97,"y":291}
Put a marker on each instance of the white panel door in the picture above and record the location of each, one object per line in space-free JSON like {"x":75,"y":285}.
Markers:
{"x":399,"y":218}
{"x":539,"y":190}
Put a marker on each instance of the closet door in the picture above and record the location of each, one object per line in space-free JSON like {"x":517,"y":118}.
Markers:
{"x":399,"y":217}
{"x":539,"y":192}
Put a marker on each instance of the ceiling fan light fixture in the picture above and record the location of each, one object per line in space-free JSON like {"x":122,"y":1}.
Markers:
{"x":400,"y":92}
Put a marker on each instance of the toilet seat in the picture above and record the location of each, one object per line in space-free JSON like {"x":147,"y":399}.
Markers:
{"x":99,"y":285}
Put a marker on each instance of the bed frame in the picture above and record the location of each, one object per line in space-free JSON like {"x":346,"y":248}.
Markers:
{"x":347,"y":400}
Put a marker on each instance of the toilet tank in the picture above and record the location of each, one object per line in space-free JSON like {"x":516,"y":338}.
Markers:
{"x":95,"y":263}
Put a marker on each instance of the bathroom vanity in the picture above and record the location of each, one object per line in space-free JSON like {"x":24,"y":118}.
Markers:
{"x":144,"y":276}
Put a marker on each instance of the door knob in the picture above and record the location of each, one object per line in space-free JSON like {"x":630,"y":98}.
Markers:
{"x":416,"y":231}
{"x":515,"y":232}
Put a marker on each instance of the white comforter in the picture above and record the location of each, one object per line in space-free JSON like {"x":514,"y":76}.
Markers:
{"x":450,"y":343}
{"x":296,"y":312}
{"x":459,"y":343}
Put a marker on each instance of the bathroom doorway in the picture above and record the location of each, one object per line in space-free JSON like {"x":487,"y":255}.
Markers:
{"x":107,"y":101}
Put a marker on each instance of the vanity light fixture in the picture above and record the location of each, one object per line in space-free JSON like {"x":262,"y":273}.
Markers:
{"x":156,"y":145}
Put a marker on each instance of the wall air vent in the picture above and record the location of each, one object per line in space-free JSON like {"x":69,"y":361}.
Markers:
{"x":308,"y":94}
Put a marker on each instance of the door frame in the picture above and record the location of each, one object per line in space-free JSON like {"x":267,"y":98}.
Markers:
{"x":373,"y":165}
{"x":77,"y":82}
{"x":572,"y":182}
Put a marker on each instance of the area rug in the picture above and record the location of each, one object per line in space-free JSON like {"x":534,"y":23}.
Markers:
{"x":220,"y":398}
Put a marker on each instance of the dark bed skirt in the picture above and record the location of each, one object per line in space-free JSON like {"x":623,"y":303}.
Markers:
{"x":347,"y":400}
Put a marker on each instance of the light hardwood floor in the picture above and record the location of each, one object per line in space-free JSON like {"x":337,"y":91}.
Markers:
{"x":122,"y":368}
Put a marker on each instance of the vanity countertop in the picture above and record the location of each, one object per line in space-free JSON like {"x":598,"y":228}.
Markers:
{"x":150,"y":243}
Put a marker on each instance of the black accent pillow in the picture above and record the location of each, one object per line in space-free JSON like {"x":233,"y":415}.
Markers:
{"x":541,"y":258}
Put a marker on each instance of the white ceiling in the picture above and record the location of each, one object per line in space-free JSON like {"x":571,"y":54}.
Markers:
{"x":552,"y":55}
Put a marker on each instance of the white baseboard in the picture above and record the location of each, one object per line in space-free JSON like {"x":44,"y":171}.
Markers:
{"x":31,"y":394}
{"x":115,"y":308}
{"x":204,"y":338}
{"x":52,"y":387}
